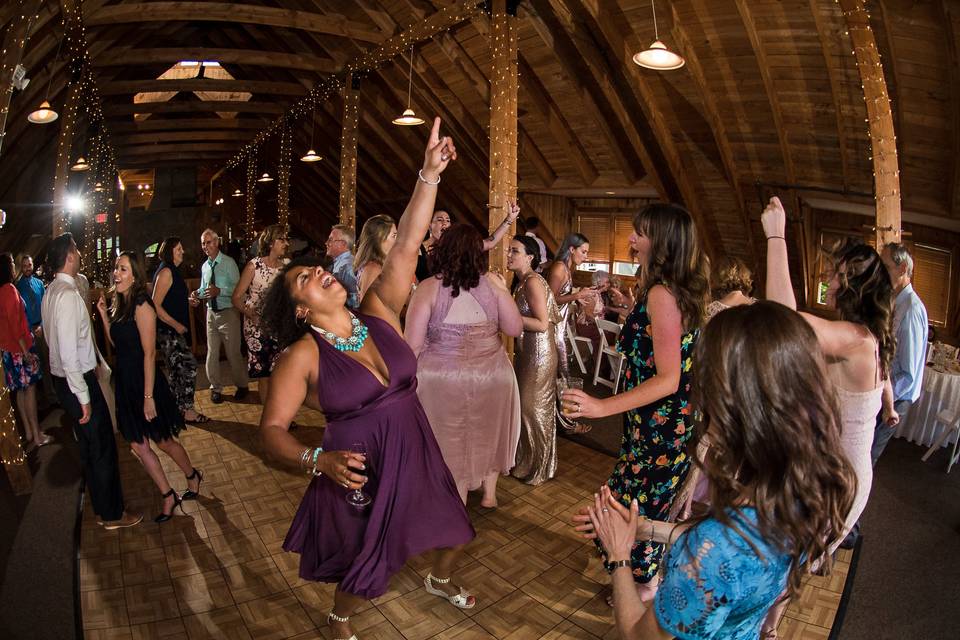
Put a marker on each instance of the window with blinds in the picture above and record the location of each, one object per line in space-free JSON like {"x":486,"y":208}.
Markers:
{"x":932,"y":280}
{"x":932,"y":272}
{"x":608,"y":234}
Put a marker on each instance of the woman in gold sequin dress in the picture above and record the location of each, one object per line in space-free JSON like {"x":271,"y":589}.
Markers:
{"x":535,"y":362}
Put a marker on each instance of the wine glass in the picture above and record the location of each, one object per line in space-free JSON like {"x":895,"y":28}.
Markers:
{"x":357,"y":497}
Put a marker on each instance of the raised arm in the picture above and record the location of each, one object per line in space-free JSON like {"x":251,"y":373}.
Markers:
{"x":391,"y":290}
{"x":779,"y":288}
{"x":513,"y":210}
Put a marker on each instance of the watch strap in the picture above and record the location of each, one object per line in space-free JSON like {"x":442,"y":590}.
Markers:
{"x":613,"y":566}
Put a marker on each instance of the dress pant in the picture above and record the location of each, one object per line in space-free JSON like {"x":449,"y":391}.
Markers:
{"x":882,"y":433}
{"x":98,"y":449}
{"x":44,"y":352}
{"x":224,"y":327}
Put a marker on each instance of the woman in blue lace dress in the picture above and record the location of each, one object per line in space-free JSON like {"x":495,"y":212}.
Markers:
{"x":780,"y":486}
{"x":657,"y":340}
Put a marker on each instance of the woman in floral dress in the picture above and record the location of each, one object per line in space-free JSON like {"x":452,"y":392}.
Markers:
{"x":262,"y":349}
{"x":657,"y":339}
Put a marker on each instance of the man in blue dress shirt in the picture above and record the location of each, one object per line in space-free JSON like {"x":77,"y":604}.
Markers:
{"x":31,"y":290}
{"x":340,"y":248}
{"x":910,"y":328}
{"x":218,"y":278}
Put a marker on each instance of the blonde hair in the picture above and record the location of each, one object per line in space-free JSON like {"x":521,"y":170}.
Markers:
{"x":370,"y":248}
{"x":732,"y":274}
{"x":270,"y":235}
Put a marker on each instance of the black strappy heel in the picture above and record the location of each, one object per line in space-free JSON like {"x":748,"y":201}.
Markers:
{"x":193,"y":495}
{"x":177,"y":502}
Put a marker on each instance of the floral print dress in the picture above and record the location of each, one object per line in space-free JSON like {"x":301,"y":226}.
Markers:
{"x":653,"y":461}
{"x":262,"y":349}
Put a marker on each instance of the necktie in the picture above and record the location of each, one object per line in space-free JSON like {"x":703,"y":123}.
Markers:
{"x":213,"y":283}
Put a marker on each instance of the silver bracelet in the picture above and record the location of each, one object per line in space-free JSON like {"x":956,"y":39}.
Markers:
{"x":425,"y":181}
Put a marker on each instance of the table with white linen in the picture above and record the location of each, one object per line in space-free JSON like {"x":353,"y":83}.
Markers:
{"x":941,"y":390}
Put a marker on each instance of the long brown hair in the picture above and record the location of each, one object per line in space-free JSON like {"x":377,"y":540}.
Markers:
{"x":866,"y":296}
{"x":676,"y":260}
{"x":773,"y":428}
{"x":370,"y":246}
{"x":124,"y":304}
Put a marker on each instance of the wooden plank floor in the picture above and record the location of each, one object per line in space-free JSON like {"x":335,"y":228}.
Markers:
{"x":219,"y":571}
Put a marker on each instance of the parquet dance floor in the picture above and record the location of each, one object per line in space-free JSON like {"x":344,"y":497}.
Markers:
{"x":219,"y":570}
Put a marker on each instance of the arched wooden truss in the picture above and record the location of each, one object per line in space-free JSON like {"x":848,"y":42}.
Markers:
{"x":771,"y":95}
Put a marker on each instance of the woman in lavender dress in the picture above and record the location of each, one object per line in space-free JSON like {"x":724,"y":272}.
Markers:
{"x":358,"y":370}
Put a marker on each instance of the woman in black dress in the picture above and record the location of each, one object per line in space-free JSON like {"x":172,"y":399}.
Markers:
{"x":146,"y":409}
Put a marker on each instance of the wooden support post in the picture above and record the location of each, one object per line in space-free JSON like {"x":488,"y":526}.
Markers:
{"x":348,"y":151}
{"x":283,"y":177}
{"x":883,"y":141}
{"x":14,"y":42}
{"x":503,"y":124}
{"x":68,"y":124}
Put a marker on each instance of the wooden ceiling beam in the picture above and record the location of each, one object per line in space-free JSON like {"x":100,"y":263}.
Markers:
{"x":951,"y":22}
{"x":816,"y":8}
{"x":160,"y":149}
{"x":133,"y":56}
{"x":749,"y":23}
{"x":235,"y":12}
{"x":130,"y":87}
{"x":185,"y":124}
{"x":628,"y":89}
{"x":609,"y":117}
{"x":194,"y":106}
{"x":130,"y":139}
{"x":562,"y":132}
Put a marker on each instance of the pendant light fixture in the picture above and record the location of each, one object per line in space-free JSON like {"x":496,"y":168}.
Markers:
{"x":45,"y":114}
{"x":81,"y":165}
{"x":311,"y":155}
{"x":265,"y":178}
{"x":237,"y":193}
{"x":409,"y":118}
{"x":98,"y":187}
{"x":657,"y":56}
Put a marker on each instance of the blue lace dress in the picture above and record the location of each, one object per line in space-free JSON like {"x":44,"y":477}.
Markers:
{"x":716,"y":585}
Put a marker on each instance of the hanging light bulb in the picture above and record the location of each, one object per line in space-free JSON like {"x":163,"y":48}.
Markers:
{"x":45,"y":114}
{"x":81,"y":165}
{"x":409,"y":118}
{"x":98,"y":187}
{"x":237,"y":193}
{"x":265,"y":178}
{"x":657,"y":56}
{"x":311,"y":155}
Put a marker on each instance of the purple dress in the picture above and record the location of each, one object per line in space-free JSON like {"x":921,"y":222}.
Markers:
{"x":415,"y":502}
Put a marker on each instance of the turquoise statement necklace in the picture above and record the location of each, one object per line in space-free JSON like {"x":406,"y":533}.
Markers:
{"x":357,"y":336}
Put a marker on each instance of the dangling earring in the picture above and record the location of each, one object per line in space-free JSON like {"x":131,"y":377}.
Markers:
{"x":301,"y":321}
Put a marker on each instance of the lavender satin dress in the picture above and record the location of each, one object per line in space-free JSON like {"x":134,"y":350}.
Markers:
{"x":415,"y":506}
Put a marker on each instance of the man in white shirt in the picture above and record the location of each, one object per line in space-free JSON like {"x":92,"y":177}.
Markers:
{"x":73,"y":363}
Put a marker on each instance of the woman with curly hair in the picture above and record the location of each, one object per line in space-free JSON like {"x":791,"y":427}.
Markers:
{"x":732,"y":284}
{"x":465,"y":381}
{"x":377,"y":237}
{"x":657,"y":339}
{"x":780,"y":486}
{"x":356,"y":368}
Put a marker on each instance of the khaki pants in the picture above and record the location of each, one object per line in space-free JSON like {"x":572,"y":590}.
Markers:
{"x":224,"y":327}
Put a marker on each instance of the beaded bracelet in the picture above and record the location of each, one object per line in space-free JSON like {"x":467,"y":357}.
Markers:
{"x":316,"y":455}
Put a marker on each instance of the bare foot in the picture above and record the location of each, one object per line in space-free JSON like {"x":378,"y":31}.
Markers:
{"x":341,"y":630}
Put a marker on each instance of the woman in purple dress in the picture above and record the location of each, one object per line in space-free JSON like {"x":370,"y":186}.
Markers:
{"x":358,"y":370}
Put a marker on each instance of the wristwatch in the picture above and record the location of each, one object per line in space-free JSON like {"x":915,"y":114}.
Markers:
{"x":613,"y":566}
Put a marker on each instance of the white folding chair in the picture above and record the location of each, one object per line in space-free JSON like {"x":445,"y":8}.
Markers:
{"x":608,"y":349}
{"x":951,"y":424}
{"x":573,"y":339}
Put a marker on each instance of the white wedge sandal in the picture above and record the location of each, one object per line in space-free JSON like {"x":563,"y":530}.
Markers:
{"x":462,"y":600}
{"x":336,"y":618}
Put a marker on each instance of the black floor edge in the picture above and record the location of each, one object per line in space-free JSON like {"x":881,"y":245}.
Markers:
{"x":847,"y":589}
{"x":77,"y":609}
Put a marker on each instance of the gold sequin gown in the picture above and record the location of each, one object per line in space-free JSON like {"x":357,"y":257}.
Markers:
{"x":535,"y":362}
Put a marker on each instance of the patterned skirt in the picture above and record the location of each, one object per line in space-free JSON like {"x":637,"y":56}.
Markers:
{"x":21,"y":370}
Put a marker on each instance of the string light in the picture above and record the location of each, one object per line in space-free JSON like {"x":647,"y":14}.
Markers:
{"x":17,"y":33}
{"x":11,"y":447}
{"x":250,"y":212}
{"x":283,"y":176}
{"x":348,"y":152}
